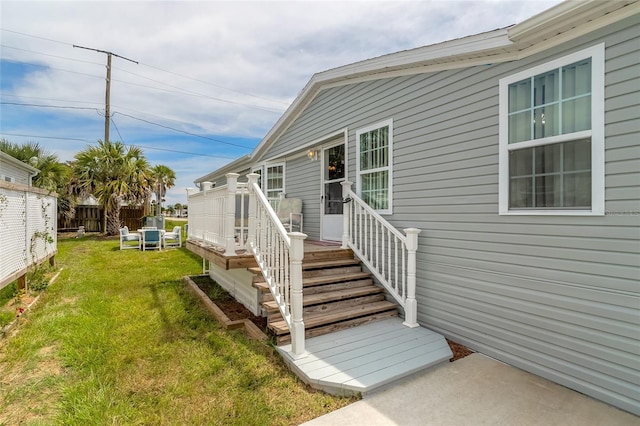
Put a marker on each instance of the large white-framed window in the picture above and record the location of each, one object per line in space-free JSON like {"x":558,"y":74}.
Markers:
{"x":551,"y":159}
{"x":374,"y":165}
{"x":274,"y":181}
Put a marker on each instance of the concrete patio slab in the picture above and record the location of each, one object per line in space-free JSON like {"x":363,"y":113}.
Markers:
{"x":476,"y":390}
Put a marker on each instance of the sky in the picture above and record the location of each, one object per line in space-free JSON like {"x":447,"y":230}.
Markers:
{"x":211,"y":77}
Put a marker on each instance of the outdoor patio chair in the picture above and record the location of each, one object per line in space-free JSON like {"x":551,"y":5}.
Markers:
{"x":174,"y":238}
{"x":151,"y":239}
{"x":290,"y":214}
{"x":126,"y":237}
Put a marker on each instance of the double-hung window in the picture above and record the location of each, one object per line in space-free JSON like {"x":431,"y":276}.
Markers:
{"x":275,"y":181}
{"x":552,"y":137}
{"x":374,"y":165}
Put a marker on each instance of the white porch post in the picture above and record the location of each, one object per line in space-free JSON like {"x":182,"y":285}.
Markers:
{"x":346,"y":209}
{"x":253,"y":208}
{"x":230,"y":214}
{"x":297,"y":328}
{"x":411,"y":305}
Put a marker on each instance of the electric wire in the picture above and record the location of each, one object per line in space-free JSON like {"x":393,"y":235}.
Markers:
{"x":101,"y":113}
{"x":136,"y":144}
{"x":141,"y":63}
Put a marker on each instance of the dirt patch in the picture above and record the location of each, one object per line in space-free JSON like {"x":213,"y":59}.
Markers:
{"x":458,"y":350}
{"x":233,"y":309}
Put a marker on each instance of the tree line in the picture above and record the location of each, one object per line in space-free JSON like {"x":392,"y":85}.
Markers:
{"x":113,"y":173}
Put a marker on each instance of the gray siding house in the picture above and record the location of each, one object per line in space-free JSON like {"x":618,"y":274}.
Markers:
{"x":516,"y":152}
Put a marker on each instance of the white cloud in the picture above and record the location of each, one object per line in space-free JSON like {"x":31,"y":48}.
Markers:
{"x":266,"y":49}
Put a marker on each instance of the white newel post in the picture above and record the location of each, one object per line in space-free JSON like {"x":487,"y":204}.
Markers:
{"x":253,"y":210}
{"x":297,"y":327}
{"x":230,"y":215}
{"x":346,"y":209}
{"x":411,"y":305}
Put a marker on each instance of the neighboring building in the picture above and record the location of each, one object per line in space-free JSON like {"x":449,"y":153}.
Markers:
{"x":517,"y":154}
{"x":13,"y":170}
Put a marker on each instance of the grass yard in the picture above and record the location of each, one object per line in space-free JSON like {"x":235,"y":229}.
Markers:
{"x":117,"y":339}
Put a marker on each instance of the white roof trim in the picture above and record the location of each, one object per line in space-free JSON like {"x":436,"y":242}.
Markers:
{"x":19,"y":163}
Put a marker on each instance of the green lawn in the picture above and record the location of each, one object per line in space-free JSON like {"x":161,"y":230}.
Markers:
{"x":117,"y":339}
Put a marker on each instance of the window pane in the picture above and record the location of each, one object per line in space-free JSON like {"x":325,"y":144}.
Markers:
{"x":577,"y":190}
{"x":577,"y":155}
{"x":545,"y":88}
{"x":521,"y":162}
{"x":375,"y":191}
{"x":334,"y":162}
{"x":520,"y":95}
{"x":551,"y":176}
{"x":576,"y":79}
{"x":520,"y":193}
{"x":576,"y":115}
{"x":520,"y":127}
{"x":547,"y":159}
{"x":548,"y":191}
{"x":546,"y":122}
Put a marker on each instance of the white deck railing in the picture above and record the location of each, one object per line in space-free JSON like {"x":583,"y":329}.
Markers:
{"x":27,"y":230}
{"x":279,"y":255}
{"x":388,"y":254}
{"x":218,"y":216}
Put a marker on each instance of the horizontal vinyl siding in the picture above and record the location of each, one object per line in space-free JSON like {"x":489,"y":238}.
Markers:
{"x":554,"y":295}
{"x":557,"y":296}
{"x":302,"y":180}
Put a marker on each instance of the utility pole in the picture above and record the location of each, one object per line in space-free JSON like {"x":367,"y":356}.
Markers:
{"x":107,"y":96}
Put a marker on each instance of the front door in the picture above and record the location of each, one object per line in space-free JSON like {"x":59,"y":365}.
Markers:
{"x":333,"y":166}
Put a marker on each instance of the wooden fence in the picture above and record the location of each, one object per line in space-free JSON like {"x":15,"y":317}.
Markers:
{"x":92,"y":218}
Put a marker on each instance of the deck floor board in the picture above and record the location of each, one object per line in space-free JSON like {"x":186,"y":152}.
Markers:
{"x":365,"y":358}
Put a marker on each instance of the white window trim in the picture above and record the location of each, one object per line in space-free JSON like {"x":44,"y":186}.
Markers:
{"x":378,"y":125}
{"x":597,"y":54}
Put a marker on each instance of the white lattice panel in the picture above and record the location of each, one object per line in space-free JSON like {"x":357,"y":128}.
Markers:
{"x":12,"y":232}
{"x":27,"y":229}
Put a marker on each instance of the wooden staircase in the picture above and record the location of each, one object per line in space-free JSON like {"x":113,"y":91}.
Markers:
{"x":337,"y":295}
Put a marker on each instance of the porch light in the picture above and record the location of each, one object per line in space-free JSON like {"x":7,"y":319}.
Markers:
{"x":313,"y":155}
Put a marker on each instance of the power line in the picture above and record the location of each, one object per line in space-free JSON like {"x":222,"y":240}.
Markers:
{"x":181,"y":131}
{"x":34,"y":36}
{"x":130,"y":116}
{"x":145,"y":65}
{"x":48,"y":54}
{"x":181,"y":91}
{"x":139,"y":145}
{"x":48,"y":106}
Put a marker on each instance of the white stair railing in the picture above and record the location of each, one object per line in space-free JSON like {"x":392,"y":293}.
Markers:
{"x":389,"y":255}
{"x":279,"y":255}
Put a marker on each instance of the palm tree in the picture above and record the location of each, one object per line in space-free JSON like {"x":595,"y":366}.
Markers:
{"x":163,"y":178}
{"x":53,"y":175}
{"x":114,"y":174}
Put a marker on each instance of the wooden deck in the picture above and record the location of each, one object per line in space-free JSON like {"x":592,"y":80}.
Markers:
{"x":365,"y":358}
{"x":243,"y":259}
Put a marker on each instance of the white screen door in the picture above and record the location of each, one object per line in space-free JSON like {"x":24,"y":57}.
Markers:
{"x":333,"y":166}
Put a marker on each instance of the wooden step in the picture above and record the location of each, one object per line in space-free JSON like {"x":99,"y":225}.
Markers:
{"x":321,"y":280}
{"x":318,"y":319}
{"x":308,"y":264}
{"x":283,"y":339}
{"x":328,"y":297}
{"x":327,"y":255}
